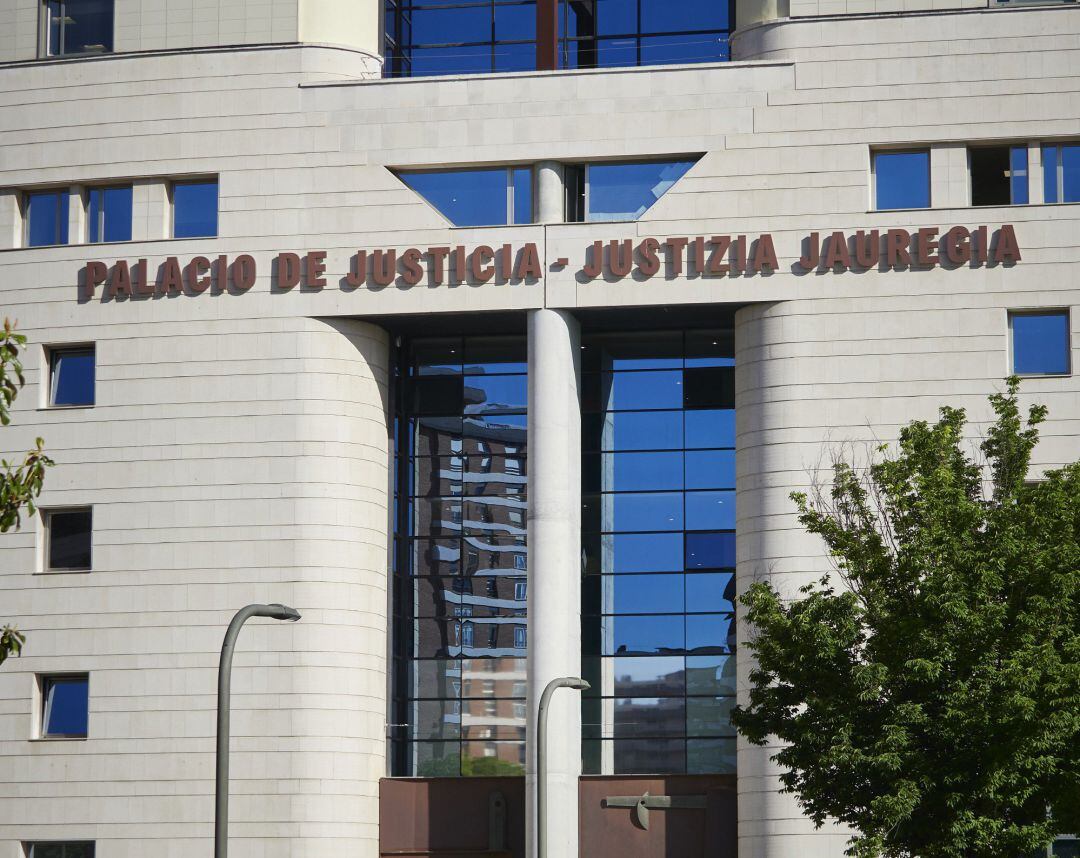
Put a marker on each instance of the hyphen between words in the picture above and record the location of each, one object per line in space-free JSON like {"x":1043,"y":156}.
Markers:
{"x":700,"y":256}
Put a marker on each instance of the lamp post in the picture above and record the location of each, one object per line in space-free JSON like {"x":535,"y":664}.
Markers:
{"x":577,"y":684}
{"x":221,"y":806}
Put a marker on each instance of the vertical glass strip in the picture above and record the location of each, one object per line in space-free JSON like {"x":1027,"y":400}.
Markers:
{"x":1050,"y":173}
{"x":1018,"y":174}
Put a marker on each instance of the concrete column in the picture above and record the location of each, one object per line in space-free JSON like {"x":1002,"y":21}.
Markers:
{"x":554,"y":594}
{"x":11,"y":223}
{"x":78,"y":224}
{"x":550,"y":196}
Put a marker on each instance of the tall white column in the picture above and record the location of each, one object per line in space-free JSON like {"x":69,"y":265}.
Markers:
{"x":554,"y":594}
{"x":550,"y":193}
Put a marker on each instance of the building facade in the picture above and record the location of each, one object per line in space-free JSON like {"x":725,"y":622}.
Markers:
{"x":493,"y":337}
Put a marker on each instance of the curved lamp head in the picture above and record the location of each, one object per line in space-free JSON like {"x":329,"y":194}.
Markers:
{"x":283,"y":612}
{"x":575,"y":682}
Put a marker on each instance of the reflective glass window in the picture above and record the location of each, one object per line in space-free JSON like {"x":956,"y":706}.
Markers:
{"x":109,"y":214}
{"x":65,"y":706}
{"x":626,"y":191}
{"x":69,"y":539}
{"x":78,"y":27}
{"x":902,"y":179}
{"x":476,"y":197}
{"x":46,"y":214}
{"x":195,"y":209}
{"x":1040,"y":342}
{"x":1061,"y":173}
{"x":460,"y":562}
{"x":658,"y":521}
{"x":71,"y":372}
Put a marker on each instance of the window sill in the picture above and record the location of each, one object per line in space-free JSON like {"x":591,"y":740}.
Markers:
{"x":1043,"y":374}
{"x":85,"y":571}
{"x":87,"y":244}
{"x":65,"y":407}
{"x":59,"y":739}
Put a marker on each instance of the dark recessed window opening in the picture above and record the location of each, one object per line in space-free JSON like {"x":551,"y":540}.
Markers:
{"x":71,"y":376}
{"x":60,"y":850}
{"x":999,"y":175}
{"x":65,"y":706}
{"x":69,"y":540}
{"x":78,"y":27}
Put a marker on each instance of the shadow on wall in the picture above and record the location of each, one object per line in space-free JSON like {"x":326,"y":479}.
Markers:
{"x":485,"y":817}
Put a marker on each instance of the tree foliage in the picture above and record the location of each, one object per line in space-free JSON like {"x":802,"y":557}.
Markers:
{"x":20,"y":483}
{"x":930,"y":698}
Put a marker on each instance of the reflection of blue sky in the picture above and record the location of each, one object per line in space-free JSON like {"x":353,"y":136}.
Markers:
{"x":1041,"y":342}
{"x":73,"y":378}
{"x":115,"y":204}
{"x":464,"y":197}
{"x":195,"y":209}
{"x":627,"y":191}
{"x":494,"y":393}
{"x":902,"y":179}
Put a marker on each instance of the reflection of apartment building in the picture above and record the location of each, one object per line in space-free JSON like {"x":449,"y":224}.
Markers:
{"x":494,"y":336}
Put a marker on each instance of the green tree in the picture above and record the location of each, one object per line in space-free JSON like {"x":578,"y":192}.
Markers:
{"x":930,"y":697}
{"x":20,"y":483}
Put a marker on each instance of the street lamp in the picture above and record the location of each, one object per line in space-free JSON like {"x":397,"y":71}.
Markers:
{"x":577,"y":684}
{"x":221,"y":808}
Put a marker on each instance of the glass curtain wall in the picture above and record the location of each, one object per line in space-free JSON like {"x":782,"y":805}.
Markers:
{"x":436,"y":37}
{"x":460,"y":562}
{"x":658,"y":477}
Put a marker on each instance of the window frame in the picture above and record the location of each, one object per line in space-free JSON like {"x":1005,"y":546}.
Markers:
{"x":172,"y":185}
{"x":1041,"y":311}
{"x":44,"y":682}
{"x":52,"y":352}
{"x":44,"y":28}
{"x":907,"y":150}
{"x":46,"y":514}
{"x":62,"y":228}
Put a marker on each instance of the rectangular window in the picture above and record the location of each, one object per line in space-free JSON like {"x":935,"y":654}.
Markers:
{"x":1061,"y":173}
{"x":110,"y":214}
{"x":71,"y":376}
{"x":46,"y":214}
{"x":65,"y":706}
{"x":999,"y":175}
{"x":1040,"y":342}
{"x":195,"y":209}
{"x":60,"y":850}
{"x":77,"y":27}
{"x":476,"y":197}
{"x":902,"y":180}
{"x":68,"y":539}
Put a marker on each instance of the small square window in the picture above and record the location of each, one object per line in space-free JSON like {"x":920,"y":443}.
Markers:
{"x":999,"y":175}
{"x":68,"y":539}
{"x":110,"y":214}
{"x":1040,"y":342}
{"x":65,"y":706}
{"x":60,"y":850}
{"x":46,"y":214}
{"x":520,"y":637}
{"x":521,"y":589}
{"x":902,"y":180}
{"x":195,"y":209}
{"x":71,"y":376}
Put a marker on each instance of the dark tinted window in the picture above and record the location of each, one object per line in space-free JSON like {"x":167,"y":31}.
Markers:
{"x":61,"y":850}
{"x":70,"y":539}
{"x":65,"y":706}
{"x":78,"y":26}
{"x":195,"y":209}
